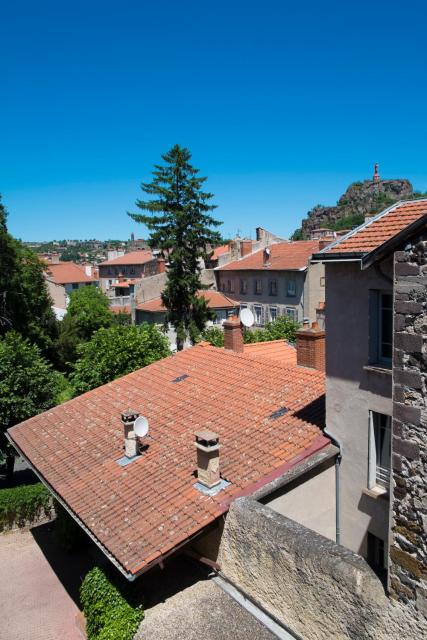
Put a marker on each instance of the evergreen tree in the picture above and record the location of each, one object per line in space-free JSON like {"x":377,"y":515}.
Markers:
{"x":182,"y":228}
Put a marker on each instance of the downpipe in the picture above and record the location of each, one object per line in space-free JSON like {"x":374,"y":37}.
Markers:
{"x":338,"y":444}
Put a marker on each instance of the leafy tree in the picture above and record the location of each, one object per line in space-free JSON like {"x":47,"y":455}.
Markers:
{"x":28,"y":385}
{"x":297,"y":235}
{"x":283,"y":328}
{"x":25,"y":304}
{"x":180,"y":226}
{"x":115,"y":351}
{"x":88,"y":311}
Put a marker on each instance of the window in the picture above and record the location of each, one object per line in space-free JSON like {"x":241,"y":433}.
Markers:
{"x":322,"y":281}
{"x":379,"y":450}
{"x":257,"y":286}
{"x":385,"y":329}
{"x":221,"y":315}
{"x":258,"y":314}
{"x":75,"y":285}
{"x":273,"y":287}
{"x":273,"y":314}
{"x":292,"y":288}
{"x":291,"y":312}
{"x":243,"y":286}
{"x":380,"y":327}
{"x":230,"y":286}
{"x":222,"y":285}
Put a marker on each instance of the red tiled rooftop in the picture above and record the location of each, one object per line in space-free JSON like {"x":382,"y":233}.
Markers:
{"x":219,"y":251}
{"x":133,"y":257}
{"x":381,"y":228}
{"x":142,"y":511}
{"x":215,"y":300}
{"x":283,"y":256}
{"x":67,"y":273}
{"x":278,"y":350}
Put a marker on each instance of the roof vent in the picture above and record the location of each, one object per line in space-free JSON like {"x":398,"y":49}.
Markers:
{"x":279,"y":413}
{"x":181,"y":378}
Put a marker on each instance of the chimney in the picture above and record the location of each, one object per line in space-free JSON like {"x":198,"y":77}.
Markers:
{"x":311,"y":346}
{"x":266,"y":256}
{"x":245,"y":248}
{"x":131,"y":443}
{"x":161,"y":265}
{"x":324,"y":242}
{"x":207,"y":445}
{"x":233,"y":336}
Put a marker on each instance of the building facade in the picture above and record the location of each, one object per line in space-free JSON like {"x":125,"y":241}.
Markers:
{"x":133,"y":265}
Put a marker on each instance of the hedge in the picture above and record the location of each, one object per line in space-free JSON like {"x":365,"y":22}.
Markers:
{"x":108,"y":614}
{"x":23,"y":504}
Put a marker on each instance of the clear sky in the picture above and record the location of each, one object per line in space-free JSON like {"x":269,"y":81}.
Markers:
{"x":282,"y":104}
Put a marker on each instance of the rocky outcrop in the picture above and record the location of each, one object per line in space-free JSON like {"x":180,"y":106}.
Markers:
{"x":361,"y":199}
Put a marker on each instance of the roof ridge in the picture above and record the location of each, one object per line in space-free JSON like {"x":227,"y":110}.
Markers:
{"x":367,"y":223}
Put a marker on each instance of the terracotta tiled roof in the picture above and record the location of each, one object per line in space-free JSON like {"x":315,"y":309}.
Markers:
{"x":133,"y":257}
{"x":124,"y":283}
{"x":219,"y":251}
{"x":144,"y":510}
{"x":67,"y":273}
{"x":215,"y":300}
{"x":120,"y":309}
{"x":380,"y":228}
{"x":283,"y":256}
{"x":277,"y":350}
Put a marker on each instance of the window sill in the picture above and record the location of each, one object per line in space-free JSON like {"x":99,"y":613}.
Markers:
{"x":376,"y":492}
{"x":378,"y":368}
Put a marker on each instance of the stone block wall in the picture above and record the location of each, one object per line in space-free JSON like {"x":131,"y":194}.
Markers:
{"x":408,"y":539}
{"x":314,"y":587}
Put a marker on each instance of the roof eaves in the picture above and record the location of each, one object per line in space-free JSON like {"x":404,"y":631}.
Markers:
{"x":348,"y":256}
{"x":389,"y":245}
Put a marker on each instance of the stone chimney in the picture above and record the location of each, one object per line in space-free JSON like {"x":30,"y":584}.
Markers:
{"x":131,"y":443}
{"x":233,"y":336}
{"x":266,"y":256}
{"x":311,"y":347}
{"x":324,"y":242}
{"x":207,"y":445}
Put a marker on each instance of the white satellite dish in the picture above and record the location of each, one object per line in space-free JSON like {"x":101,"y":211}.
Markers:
{"x":247,"y":317}
{"x":140,"y":427}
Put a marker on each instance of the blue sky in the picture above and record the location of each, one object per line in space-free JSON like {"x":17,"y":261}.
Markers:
{"x":282,"y":104}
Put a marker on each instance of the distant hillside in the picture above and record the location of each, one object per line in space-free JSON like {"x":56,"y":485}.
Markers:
{"x":361,"y":199}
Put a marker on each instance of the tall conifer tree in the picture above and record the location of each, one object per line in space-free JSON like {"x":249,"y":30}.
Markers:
{"x":182,"y":227}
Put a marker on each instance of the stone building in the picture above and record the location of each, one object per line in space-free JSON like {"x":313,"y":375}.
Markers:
{"x":376,"y":395}
{"x":133,"y":265}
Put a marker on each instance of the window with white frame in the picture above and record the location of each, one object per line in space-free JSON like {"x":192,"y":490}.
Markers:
{"x":258,"y":286}
{"x":273,"y":314}
{"x":379,"y":450}
{"x":258,"y":314}
{"x":291,"y":312}
{"x":291,"y":288}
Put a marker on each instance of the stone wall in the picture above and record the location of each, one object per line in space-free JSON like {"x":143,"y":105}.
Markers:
{"x":408,"y":548}
{"x":316,"y":588}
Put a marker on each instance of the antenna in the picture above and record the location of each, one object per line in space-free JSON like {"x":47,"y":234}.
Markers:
{"x":140,"y":427}
{"x":247,"y":317}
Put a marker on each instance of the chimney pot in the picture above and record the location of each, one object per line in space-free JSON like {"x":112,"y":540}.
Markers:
{"x":207,"y":445}
{"x":131,"y":444}
{"x":233,"y":336}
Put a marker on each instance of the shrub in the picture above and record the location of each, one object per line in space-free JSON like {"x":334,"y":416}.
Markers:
{"x":109,"y":616}
{"x":214,"y":335}
{"x":18,"y":505}
{"x":283,"y":328}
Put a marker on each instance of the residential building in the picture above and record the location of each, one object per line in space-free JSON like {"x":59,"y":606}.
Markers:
{"x":376,"y":285}
{"x":277,"y":280}
{"x":58,"y":296}
{"x":70,"y":275}
{"x":153,"y":311}
{"x":222,"y":425}
{"x":133,"y":265}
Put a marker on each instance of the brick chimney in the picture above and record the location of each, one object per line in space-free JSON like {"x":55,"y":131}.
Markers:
{"x":311,"y":346}
{"x":233,"y":336}
{"x":131,"y":443}
{"x":245,"y":248}
{"x":161,"y":265}
{"x":323,"y":242}
{"x":207,"y":445}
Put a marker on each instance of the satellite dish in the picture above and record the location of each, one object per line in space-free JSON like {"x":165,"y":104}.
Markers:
{"x":140,"y":427}
{"x":247,"y":317}
{"x":267,"y":251}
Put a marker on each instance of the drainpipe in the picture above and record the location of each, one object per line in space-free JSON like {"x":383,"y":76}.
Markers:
{"x":337,"y":485}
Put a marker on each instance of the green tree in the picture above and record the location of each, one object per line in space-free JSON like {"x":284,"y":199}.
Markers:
{"x":25,"y":304}
{"x":115,"y":351}
{"x":28,"y":385}
{"x":88,"y":311}
{"x":283,"y":328}
{"x":182,"y":228}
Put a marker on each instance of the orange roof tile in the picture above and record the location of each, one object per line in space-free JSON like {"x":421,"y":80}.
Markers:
{"x":141,"y":512}
{"x":283,"y":256}
{"x":277,"y":350}
{"x":120,"y":309}
{"x":67,"y":273}
{"x":219,"y":251}
{"x":215,"y":300}
{"x":133,"y":257}
{"x":382,"y":227}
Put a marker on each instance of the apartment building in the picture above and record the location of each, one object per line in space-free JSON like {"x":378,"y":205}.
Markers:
{"x":70,"y":275}
{"x":277,"y":280}
{"x":133,"y":265}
